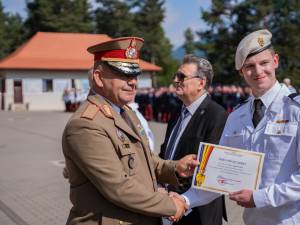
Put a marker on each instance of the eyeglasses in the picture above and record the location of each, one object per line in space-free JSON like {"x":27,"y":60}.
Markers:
{"x":181,"y":77}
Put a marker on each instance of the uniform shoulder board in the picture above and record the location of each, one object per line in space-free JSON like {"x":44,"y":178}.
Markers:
{"x":240,"y":104}
{"x":295,"y":97}
{"x":90,"y":112}
{"x":106,"y":110}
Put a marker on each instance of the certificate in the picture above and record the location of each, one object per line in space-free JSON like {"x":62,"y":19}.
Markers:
{"x":223,"y":169}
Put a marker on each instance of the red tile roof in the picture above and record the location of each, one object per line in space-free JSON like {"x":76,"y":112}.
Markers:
{"x":59,"y":51}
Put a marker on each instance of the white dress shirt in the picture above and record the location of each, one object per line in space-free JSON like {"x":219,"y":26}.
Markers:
{"x":277,"y":135}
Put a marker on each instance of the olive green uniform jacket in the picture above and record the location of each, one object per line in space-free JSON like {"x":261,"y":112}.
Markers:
{"x":112,"y":173}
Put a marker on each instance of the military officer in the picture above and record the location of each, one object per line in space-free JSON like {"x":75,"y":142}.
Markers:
{"x":112,"y":173}
{"x":268,"y":122}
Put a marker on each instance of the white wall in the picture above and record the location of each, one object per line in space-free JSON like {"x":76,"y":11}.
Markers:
{"x":32,"y":87}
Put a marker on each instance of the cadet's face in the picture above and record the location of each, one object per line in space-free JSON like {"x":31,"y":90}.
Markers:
{"x":259,"y":71}
{"x":189,"y":87}
{"x":117,"y":87}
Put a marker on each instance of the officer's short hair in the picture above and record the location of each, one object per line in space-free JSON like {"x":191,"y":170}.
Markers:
{"x":204,"y":68}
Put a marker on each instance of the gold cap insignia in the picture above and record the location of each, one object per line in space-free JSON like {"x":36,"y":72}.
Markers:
{"x":260,"y":41}
{"x":131,"y":51}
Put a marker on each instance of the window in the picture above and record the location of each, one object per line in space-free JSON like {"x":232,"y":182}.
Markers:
{"x":47,"y":85}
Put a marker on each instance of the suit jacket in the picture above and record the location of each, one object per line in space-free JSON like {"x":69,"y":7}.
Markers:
{"x":112,"y":173}
{"x":206,"y":125}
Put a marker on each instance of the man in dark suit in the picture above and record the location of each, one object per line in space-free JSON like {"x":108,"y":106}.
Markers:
{"x":199,"y":120}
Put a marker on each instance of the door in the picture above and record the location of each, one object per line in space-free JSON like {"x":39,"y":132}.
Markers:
{"x":18,"y":93}
{"x":2,"y":92}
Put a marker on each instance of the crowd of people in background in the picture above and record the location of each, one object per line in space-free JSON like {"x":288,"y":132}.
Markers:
{"x":158,"y":104}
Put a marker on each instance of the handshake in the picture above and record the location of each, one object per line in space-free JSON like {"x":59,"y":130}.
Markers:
{"x":179,"y":201}
{"x":184,"y":168}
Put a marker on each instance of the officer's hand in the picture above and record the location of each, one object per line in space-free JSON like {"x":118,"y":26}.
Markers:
{"x":186,"y":165}
{"x":176,"y":195}
{"x":181,"y":209}
{"x":162,"y":190}
{"x":243,"y":198}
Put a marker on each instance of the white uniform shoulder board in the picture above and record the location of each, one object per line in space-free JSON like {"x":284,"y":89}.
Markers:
{"x":295,"y":97}
{"x":90,"y":112}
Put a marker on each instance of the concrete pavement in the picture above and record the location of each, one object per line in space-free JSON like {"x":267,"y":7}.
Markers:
{"x":32,"y":189}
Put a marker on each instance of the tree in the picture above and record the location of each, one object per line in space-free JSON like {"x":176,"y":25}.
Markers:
{"x":58,"y":16}
{"x":189,"y":43}
{"x":113,"y":17}
{"x":229,"y":21}
{"x":157,"y":48}
{"x":11,"y":32}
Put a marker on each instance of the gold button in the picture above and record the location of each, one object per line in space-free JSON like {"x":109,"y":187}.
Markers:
{"x":121,"y":222}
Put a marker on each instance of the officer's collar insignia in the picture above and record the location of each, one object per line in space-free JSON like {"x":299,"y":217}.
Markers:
{"x":260,"y":41}
{"x":141,"y":129}
{"x":121,"y":135}
{"x":131,"y":51}
{"x":106,"y":110}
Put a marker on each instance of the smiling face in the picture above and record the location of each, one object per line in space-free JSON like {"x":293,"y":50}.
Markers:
{"x":115,"y":86}
{"x":189,"y":87}
{"x":259,"y":71}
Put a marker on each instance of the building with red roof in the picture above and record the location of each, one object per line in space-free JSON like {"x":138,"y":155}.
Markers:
{"x":37,"y":73}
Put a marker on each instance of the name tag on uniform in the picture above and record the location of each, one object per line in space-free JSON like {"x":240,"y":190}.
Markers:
{"x":286,"y":129}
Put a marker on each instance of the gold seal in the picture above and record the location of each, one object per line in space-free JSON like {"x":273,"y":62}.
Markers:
{"x":260,"y":41}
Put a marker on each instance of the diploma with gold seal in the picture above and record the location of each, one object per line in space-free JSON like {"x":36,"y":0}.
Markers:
{"x":223,"y":169}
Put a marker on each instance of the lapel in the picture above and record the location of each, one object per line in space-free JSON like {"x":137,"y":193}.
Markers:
{"x":143,"y":138}
{"x":108,"y":111}
{"x":196,"y":119}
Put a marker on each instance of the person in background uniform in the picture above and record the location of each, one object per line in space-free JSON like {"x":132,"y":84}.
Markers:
{"x":288,"y":83}
{"x":112,"y":173}
{"x":269,"y":123}
{"x":199,"y":120}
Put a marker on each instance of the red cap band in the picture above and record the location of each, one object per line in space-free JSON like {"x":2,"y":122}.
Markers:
{"x":119,"y":54}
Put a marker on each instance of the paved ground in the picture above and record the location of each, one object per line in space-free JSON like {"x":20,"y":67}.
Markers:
{"x":32,"y":189}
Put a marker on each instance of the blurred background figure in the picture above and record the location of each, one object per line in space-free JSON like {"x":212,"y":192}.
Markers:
{"x":288,"y":83}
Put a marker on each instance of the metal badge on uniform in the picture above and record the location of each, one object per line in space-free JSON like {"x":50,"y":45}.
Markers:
{"x":131,"y":162}
{"x":126,"y":145}
{"x":121,"y":135}
{"x":141,"y":129}
{"x":260,"y":41}
{"x":282,"y":121}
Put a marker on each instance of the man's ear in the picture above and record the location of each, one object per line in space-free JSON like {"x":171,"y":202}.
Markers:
{"x":97,"y":75}
{"x":202,"y":83}
{"x":241,"y":73}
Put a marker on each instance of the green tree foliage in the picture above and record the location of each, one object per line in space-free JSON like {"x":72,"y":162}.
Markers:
{"x":11,"y":32}
{"x":229,"y":21}
{"x":157,"y":48}
{"x":58,"y":16}
{"x":113,"y":17}
{"x":189,"y":43}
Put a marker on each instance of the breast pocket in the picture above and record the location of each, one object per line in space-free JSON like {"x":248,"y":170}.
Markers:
{"x":279,"y":138}
{"x":128,"y":158}
{"x":234,"y":138}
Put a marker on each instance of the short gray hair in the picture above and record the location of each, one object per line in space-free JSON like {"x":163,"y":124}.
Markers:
{"x":204,"y":68}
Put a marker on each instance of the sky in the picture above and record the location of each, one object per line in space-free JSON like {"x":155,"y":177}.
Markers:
{"x":180,"y":14}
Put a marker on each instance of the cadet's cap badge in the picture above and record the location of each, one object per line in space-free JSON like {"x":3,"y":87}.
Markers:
{"x":260,"y":41}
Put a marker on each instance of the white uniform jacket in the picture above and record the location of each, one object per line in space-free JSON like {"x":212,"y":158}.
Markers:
{"x":277,"y":135}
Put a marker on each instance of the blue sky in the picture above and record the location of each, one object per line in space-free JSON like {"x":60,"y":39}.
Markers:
{"x":180,"y":15}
